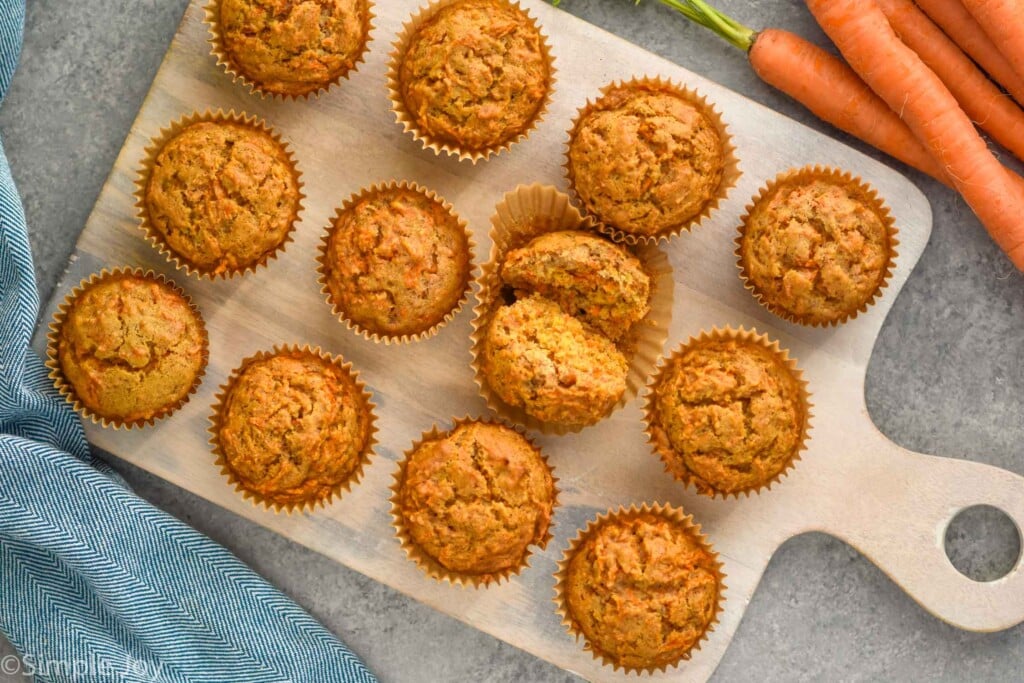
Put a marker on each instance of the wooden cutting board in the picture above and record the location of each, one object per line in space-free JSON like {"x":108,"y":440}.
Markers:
{"x":891,"y":504}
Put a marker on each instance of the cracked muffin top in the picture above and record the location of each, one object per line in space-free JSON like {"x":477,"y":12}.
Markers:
{"x":643,"y":589}
{"x":223,"y":196}
{"x":539,"y":358}
{"x":591,"y":278}
{"x":293,"y":47}
{"x":131,"y":348}
{"x":646,"y":160}
{"x":473,"y":500}
{"x":728,"y":415}
{"x":396,"y":262}
{"x":474,"y":74}
{"x":293,"y":428}
{"x":816,"y":247}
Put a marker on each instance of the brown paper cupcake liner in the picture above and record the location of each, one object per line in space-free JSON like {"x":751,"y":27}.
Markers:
{"x":659,"y":442}
{"x":846,"y":178}
{"x":428,"y":564}
{"x":525,"y":213}
{"x":65,"y":388}
{"x":408,"y":123}
{"x":321,"y":259}
{"x":529,"y":211}
{"x":674,"y":514}
{"x":219,"y":50}
{"x":156,"y":145}
{"x":216,"y":423}
{"x":730,"y":171}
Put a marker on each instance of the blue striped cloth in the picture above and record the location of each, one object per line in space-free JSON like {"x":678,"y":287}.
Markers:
{"x":95,"y":583}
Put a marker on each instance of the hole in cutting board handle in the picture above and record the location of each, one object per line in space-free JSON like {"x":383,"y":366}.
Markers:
{"x":983,"y":543}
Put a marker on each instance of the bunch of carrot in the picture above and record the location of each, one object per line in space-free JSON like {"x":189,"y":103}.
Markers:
{"x":911,"y":87}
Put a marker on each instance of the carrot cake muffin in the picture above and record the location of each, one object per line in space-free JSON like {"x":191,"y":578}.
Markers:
{"x":646,"y":160}
{"x":539,"y":358}
{"x":396,"y":262}
{"x":643,"y":589}
{"x":222,"y":196}
{"x":816,"y":246}
{"x":130,"y":347}
{"x":475,"y":499}
{"x":591,"y":278}
{"x":727,"y":414}
{"x":474,"y":75}
{"x":293,"y":428}
{"x":293,"y":48}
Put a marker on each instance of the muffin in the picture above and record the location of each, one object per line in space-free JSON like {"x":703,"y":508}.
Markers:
{"x":647,"y":160}
{"x":290,"y":48}
{"x":471,"y":76}
{"x":219,"y":195}
{"x":469,"y":503}
{"x":292,"y":428}
{"x":555,"y":368}
{"x":546,"y":248}
{"x":728,"y":413}
{"x":596,"y":281}
{"x":127,"y":348}
{"x":396,"y":262}
{"x":816,"y":246}
{"x":642,"y":586}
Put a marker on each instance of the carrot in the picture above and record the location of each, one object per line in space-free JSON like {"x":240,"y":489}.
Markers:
{"x":833,"y":92}
{"x":1003,"y":21}
{"x":863,"y":35}
{"x":820,"y":82}
{"x":953,"y":18}
{"x":986,"y":104}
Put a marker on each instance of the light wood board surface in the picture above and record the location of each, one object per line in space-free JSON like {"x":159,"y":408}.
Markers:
{"x":852,"y":482}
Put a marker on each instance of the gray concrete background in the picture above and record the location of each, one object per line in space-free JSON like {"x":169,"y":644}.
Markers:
{"x":947,"y":377}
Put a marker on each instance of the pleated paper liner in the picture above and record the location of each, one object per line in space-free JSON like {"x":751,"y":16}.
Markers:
{"x":339,"y":488}
{"x":525,"y":213}
{"x":675,"y":516}
{"x":659,"y":440}
{"x":857,"y":188}
{"x":428,"y":564}
{"x":153,"y":150}
{"x":529,"y":211}
{"x":338,"y":310}
{"x":408,"y":122}
{"x":68,"y":391}
{"x":219,"y":50}
{"x":730,"y":165}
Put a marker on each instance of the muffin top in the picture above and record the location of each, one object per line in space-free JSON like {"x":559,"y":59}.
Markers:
{"x":644,"y":160}
{"x":296,"y":47}
{"x":131,"y":347}
{"x":293,"y":427}
{"x":539,"y":358}
{"x":474,"y":74}
{"x":600,"y":283}
{"x":816,"y":247}
{"x":730,"y":414}
{"x":222,"y":195}
{"x":642,"y":589}
{"x":474,"y":500}
{"x":396,"y":262}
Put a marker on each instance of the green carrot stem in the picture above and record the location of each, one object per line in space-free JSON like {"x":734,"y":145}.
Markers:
{"x":707,"y":16}
{"x":683,"y":8}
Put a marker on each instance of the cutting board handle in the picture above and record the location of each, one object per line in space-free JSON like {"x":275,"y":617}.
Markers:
{"x":897,"y":517}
